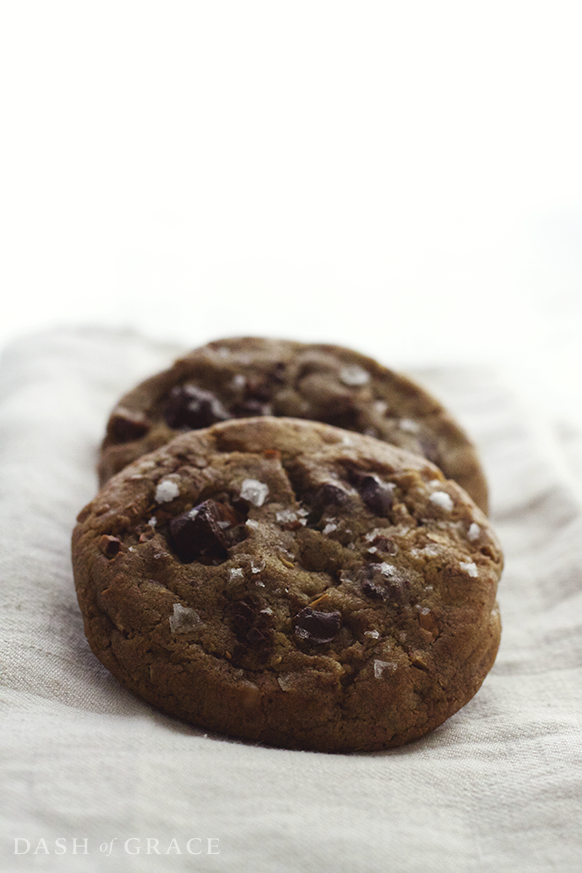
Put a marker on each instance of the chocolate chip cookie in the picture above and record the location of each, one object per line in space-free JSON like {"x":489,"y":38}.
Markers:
{"x":240,"y":378}
{"x":292,"y":583}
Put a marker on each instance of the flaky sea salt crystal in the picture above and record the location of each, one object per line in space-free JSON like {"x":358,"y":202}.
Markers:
{"x":380,"y":666}
{"x":166,"y":491}
{"x":257,"y":566}
{"x":408,"y":425}
{"x":442,"y":499}
{"x":431,"y":551}
{"x":250,"y":522}
{"x":473,"y":532}
{"x":153,"y":521}
{"x":387,"y":569}
{"x":329,"y":528}
{"x":235,"y":573}
{"x":469,"y":568}
{"x":373,"y":633}
{"x":378,"y":531}
{"x":354,"y":375}
{"x":254,"y":491}
{"x":184,"y":619}
{"x":286,"y":515}
{"x":285,"y":681}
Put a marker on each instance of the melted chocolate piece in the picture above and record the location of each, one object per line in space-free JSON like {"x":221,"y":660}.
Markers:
{"x":384,"y":582}
{"x":258,"y":396}
{"x":250,"y":624}
{"x":205,"y":532}
{"x":317,"y":627}
{"x":278,"y":373}
{"x":373,"y":591}
{"x":430,"y":449}
{"x":192,"y":408}
{"x":385,"y":544}
{"x":377,"y":495}
{"x":124,"y":425}
{"x":259,"y":388}
{"x":327,"y":496}
{"x":250,"y":408}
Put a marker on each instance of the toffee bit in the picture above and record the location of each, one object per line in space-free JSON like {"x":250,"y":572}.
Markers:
{"x":109,"y":546}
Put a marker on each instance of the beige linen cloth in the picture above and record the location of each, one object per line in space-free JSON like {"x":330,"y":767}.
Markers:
{"x":90,"y":774}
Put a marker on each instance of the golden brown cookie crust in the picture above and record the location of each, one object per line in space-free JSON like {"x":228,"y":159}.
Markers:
{"x":249,"y":376}
{"x":288,"y":582}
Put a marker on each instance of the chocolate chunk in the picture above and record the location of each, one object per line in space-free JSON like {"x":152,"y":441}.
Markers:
{"x":373,"y":591}
{"x":259,"y":388}
{"x":330,"y":495}
{"x":250,"y":408}
{"x":257,"y":399}
{"x":384,"y":544}
{"x":192,"y":408}
{"x":109,"y":545}
{"x":205,"y":532}
{"x":377,"y":495}
{"x":278,"y":373}
{"x":124,"y":425}
{"x":250,"y":624}
{"x":316,"y":627}
{"x":345,"y":415}
{"x":385,"y":582}
{"x":429,"y":448}
{"x":327,"y":496}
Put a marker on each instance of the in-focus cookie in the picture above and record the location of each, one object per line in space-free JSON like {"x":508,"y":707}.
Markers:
{"x":292,"y":583}
{"x":239,"y":378}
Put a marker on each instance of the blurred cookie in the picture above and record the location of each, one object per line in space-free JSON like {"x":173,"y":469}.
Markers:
{"x":288,"y":582}
{"x":239,"y":378}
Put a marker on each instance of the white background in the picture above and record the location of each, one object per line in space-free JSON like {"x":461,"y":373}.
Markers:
{"x":401,"y":177}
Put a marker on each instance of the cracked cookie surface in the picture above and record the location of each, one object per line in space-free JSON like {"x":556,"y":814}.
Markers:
{"x":289,"y":582}
{"x":246,"y":377}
